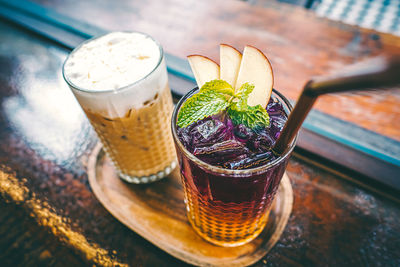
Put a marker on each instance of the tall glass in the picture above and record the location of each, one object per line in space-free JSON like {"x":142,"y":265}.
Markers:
{"x":228,"y":207}
{"x":133,"y":125}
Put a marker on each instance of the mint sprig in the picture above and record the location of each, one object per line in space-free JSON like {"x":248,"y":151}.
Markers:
{"x":214,"y":96}
{"x":218,"y":95}
{"x":243,"y":94}
{"x":252,"y":117}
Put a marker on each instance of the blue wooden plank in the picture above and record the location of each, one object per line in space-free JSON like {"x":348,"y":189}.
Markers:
{"x":53,"y":17}
{"x":353,"y":136}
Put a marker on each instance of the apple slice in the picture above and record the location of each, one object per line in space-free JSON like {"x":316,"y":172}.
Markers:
{"x":230,"y":59}
{"x":256,"y":69}
{"x":204,"y":69}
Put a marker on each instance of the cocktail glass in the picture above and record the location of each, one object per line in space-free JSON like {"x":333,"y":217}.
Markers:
{"x":228,"y":207}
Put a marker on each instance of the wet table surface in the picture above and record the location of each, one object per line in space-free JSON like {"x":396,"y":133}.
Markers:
{"x":48,"y":213}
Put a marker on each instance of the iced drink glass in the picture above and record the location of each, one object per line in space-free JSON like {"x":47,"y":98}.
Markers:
{"x":228,"y":207}
{"x":121,"y":83}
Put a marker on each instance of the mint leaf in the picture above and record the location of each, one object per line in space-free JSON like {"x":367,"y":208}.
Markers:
{"x":219,"y":86}
{"x":218,"y":95}
{"x":241,"y":113}
{"x":243,"y":94}
{"x":214,"y":96}
{"x":201,"y":105}
{"x":252,"y":117}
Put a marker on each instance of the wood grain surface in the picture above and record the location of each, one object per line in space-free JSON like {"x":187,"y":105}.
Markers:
{"x":50,"y":217}
{"x":299,"y":44}
{"x":157,"y":212}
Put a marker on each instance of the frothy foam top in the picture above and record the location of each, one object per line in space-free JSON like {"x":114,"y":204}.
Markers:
{"x":112,"y":61}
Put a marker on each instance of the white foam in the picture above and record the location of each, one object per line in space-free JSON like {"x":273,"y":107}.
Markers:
{"x":117,"y":60}
{"x":112,"y":61}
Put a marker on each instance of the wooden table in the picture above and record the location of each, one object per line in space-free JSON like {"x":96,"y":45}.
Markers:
{"x":299,"y":44}
{"x":49,"y":216}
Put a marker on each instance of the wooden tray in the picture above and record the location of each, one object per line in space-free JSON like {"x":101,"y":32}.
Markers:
{"x":156,"y":212}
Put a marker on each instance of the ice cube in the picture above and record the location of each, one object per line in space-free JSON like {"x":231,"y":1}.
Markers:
{"x":248,"y":162}
{"x":185,"y":138}
{"x":221,"y":152}
{"x":243,"y":133}
{"x":262,"y":141}
{"x":202,"y":133}
{"x":278,"y":122}
{"x":274,"y":108}
{"x":209,"y":128}
{"x":209,"y":132}
{"x":277,"y":117}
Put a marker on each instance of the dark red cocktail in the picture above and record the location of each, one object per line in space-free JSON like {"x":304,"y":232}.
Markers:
{"x":229,"y":173}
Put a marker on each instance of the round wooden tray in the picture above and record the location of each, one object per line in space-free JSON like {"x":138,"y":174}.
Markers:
{"x":156,"y":212}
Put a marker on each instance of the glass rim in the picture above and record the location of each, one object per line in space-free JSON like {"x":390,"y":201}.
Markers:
{"x":72,"y":85}
{"x":221,"y":170}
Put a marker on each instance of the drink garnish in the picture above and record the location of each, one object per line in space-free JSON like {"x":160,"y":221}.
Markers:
{"x":218,"y":95}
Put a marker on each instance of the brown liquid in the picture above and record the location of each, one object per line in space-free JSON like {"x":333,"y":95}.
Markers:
{"x":227,"y":209}
{"x":225,"y":224}
{"x":140,"y":143}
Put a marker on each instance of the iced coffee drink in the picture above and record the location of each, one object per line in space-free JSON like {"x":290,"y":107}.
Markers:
{"x":121,"y":83}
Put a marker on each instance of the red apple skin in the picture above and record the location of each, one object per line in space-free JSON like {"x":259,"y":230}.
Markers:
{"x":262,"y":92}
{"x":269,"y":63}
